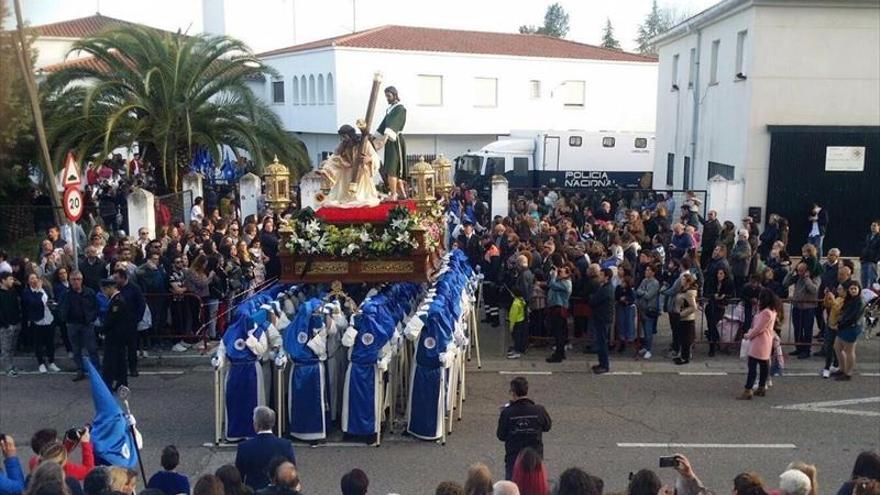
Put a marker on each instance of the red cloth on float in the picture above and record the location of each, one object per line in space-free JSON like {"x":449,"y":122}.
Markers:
{"x":372,"y":214}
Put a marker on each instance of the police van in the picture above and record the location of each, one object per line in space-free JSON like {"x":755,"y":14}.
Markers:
{"x":562,"y":159}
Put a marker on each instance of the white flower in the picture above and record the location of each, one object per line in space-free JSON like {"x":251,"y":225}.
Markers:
{"x":400,"y":224}
{"x":350,"y":249}
{"x":364,"y":236}
{"x":403,"y":237}
{"x":386,"y":236}
{"x":313,"y":227}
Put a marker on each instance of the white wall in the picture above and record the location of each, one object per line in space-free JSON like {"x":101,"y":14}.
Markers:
{"x":304,"y":116}
{"x":805,"y":66}
{"x":723,"y":111}
{"x":812,"y":66}
{"x":619,"y":95}
{"x":52,"y":50}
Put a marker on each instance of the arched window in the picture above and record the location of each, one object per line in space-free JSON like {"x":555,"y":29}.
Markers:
{"x":320,"y":89}
{"x":330,"y":89}
{"x":295,"y":90}
{"x":303,"y":95}
{"x":311,"y":89}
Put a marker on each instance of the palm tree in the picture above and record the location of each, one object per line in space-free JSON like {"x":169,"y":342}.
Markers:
{"x":169,"y":92}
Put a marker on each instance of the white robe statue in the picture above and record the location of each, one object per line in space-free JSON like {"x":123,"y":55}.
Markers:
{"x":338,"y":170}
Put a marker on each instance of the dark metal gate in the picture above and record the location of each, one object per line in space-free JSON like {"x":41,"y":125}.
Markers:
{"x":798,"y":177}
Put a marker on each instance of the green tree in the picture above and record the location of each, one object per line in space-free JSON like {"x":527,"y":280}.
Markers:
{"x":555,"y":23}
{"x":658,"y":21}
{"x":17,"y":136}
{"x":608,"y":39}
{"x":171,"y":93}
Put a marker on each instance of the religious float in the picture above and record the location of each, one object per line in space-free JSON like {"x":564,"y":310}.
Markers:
{"x":370,"y":325}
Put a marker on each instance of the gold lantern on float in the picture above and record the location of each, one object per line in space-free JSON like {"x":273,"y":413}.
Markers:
{"x":422,"y":180}
{"x":277,"y":181}
{"x":443,"y":169}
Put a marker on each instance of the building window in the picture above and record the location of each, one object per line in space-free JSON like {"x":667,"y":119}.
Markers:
{"x":485,"y":92}
{"x":675,"y":72}
{"x":608,"y":142}
{"x":670,"y":169}
{"x":687,"y":173}
{"x":330,"y":89}
{"x":430,"y":90}
{"x":277,"y":91}
{"x":320,"y":89}
{"x":692,"y":67}
{"x":641,"y":143}
{"x":535,"y":90}
{"x":575,"y":141}
{"x":713,"y":65}
{"x":304,"y":91}
{"x":294,"y":95}
{"x":573,"y":93}
{"x":311,"y":90}
{"x":520,"y":165}
{"x":740,"y":55}
{"x":720,"y":169}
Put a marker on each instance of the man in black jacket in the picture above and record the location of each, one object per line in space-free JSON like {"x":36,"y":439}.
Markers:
{"x":521,"y":424}
{"x":80,"y":310}
{"x":118,"y":323}
{"x":711,"y":234}
{"x":93,"y":269}
{"x":10,"y":322}
{"x":870,"y":256}
{"x":136,"y":303}
{"x":470,"y":244}
{"x":602,"y":306}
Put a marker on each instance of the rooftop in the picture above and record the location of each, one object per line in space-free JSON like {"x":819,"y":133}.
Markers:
{"x":82,"y":27}
{"x":408,"y":38}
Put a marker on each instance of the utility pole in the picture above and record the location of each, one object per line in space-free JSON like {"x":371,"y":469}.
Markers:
{"x":354,"y":16}
{"x":31,"y":84}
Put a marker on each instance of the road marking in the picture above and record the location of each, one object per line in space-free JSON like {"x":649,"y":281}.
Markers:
{"x":525,"y":372}
{"x":869,"y":374}
{"x":832,"y":406}
{"x":800,"y":373}
{"x":710,"y":445}
{"x":702,"y":373}
{"x":625,"y":373}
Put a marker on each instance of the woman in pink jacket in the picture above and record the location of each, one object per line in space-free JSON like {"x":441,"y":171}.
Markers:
{"x":761,"y":338}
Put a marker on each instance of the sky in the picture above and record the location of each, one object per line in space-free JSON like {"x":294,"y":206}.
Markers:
{"x":268,"y":24}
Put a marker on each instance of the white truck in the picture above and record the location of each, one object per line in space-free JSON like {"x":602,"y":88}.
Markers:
{"x":562,"y":159}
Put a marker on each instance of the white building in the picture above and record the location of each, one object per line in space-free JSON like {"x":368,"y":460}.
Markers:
{"x":462,"y":89}
{"x":740,"y":66}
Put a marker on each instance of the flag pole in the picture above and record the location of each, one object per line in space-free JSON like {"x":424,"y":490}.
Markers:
{"x":124,"y":392}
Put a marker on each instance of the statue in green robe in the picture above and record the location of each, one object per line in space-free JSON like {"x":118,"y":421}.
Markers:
{"x":389,"y":135}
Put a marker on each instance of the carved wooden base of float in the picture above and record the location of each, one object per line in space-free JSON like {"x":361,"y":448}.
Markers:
{"x":412,"y":268}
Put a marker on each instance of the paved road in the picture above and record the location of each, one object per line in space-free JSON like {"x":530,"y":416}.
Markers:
{"x":592,"y":416}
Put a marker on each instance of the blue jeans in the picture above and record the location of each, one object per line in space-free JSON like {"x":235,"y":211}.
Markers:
{"x":600,"y":334}
{"x":802,"y":321}
{"x":211,"y":307}
{"x":626,"y":323}
{"x":869,"y":274}
{"x":817,"y":241}
{"x":83,"y":337}
{"x":649,"y":327}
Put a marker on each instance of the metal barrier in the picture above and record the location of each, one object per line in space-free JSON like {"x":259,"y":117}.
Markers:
{"x":186,"y":308}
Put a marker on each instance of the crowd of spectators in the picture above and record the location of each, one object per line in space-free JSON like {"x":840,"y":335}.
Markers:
{"x":51,"y":472}
{"x":181,"y":277}
{"x":606,"y":266}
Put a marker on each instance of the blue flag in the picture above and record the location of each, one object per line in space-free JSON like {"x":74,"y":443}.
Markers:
{"x":111,"y":436}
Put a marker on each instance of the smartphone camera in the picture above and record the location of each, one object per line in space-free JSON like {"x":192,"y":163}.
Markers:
{"x":668,"y":461}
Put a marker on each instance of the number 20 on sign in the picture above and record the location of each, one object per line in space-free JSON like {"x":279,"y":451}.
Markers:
{"x":73,"y":203}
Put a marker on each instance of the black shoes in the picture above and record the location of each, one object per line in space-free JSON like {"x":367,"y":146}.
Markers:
{"x":598,"y":370}
{"x":79,"y":377}
{"x":679,"y":361}
{"x":556,"y":358}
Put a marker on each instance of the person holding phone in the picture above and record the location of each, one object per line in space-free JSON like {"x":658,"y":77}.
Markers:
{"x":12,"y":479}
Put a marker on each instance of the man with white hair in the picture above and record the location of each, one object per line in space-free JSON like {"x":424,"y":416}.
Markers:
{"x":505,"y":488}
{"x":794,"y":482}
{"x":254,"y":455}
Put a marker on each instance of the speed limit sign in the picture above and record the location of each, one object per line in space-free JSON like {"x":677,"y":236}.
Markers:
{"x":73,"y":203}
